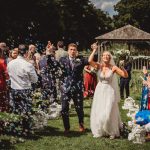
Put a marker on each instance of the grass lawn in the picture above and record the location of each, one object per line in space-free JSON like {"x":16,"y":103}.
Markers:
{"x":52,"y":137}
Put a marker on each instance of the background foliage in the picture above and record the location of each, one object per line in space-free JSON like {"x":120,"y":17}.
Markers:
{"x":134,"y":12}
{"x":32,"y":20}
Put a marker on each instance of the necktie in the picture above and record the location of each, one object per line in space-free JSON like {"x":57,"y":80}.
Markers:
{"x":72,"y":63}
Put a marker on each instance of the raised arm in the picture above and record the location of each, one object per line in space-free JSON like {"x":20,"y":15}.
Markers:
{"x":91,"y":57}
{"x":120,"y":71}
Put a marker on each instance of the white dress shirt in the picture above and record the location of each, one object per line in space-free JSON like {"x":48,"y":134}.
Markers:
{"x":22,"y":73}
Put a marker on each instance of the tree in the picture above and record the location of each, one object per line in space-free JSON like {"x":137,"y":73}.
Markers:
{"x":41,"y":20}
{"x":134,"y":12}
{"x":28,"y":21}
{"x":82,"y":22}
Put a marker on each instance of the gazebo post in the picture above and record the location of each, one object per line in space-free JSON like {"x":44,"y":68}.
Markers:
{"x":129,"y":46}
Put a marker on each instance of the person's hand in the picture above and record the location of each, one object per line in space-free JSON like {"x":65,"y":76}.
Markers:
{"x":121,"y":64}
{"x":94,"y":46}
{"x":144,"y":82}
{"x":145,"y":70}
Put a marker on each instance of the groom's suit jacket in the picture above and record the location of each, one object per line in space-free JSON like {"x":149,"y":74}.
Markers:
{"x":72,"y":79}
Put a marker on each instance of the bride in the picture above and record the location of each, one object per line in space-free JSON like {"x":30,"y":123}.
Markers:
{"x":105,"y":118}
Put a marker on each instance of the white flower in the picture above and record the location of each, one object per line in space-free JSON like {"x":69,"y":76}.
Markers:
{"x":78,"y":60}
{"x":122,"y":52}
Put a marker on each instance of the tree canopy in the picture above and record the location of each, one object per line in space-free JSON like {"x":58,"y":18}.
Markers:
{"x":41,"y":20}
{"x":134,"y":12}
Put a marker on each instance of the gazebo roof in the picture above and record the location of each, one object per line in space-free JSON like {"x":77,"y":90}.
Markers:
{"x":126,"y":33}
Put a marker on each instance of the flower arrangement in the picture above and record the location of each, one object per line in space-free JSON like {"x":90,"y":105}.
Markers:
{"x":40,"y":119}
{"x":138,"y":132}
{"x":121,"y":54}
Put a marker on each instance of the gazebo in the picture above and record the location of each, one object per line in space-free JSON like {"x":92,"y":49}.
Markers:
{"x":126,"y":34}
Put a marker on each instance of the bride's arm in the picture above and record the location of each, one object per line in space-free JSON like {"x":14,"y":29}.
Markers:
{"x":91,"y":57}
{"x":122,"y":72}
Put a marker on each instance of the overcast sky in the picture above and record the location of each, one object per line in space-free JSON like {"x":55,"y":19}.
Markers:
{"x":105,"y":5}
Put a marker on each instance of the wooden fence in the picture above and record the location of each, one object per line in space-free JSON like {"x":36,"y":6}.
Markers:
{"x":139,"y":61}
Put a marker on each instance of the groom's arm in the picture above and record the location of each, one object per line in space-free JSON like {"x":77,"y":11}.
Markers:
{"x":84,"y":60}
{"x":63,"y":69}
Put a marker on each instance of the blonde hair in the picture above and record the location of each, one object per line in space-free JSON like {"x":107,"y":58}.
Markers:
{"x":110,"y":56}
{"x":31,"y":45}
{"x":30,"y":55}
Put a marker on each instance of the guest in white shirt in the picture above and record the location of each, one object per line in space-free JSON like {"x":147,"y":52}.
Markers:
{"x":22,"y":74}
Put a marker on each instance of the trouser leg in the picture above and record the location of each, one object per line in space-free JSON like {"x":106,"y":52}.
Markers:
{"x":78,"y":102}
{"x":65,"y":98}
{"x":122,"y":84}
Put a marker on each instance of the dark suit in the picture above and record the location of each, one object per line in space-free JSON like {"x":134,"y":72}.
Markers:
{"x":72,"y":88}
{"x":124,"y":82}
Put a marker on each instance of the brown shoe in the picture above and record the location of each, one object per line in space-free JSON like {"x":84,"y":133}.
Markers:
{"x":81,"y":128}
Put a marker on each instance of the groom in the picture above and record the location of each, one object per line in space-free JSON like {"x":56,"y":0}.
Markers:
{"x":72,"y":85}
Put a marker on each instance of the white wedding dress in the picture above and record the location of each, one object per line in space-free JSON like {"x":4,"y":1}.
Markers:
{"x":105,"y":117}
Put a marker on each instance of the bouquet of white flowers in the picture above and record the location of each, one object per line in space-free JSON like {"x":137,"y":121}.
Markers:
{"x":121,"y":54}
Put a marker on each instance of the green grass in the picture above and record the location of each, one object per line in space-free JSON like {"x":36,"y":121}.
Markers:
{"x":52,"y":137}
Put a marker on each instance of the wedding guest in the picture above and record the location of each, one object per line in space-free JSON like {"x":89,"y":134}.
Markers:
{"x":49,"y":71}
{"x":33,"y":58}
{"x":125,"y":82}
{"x":72,"y":86}
{"x":60,"y":50}
{"x":30,"y":55}
{"x":145,"y":99}
{"x":4,"y":100}
{"x":22,"y":74}
{"x":13,"y":54}
{"x":90,"y":81}
{"x":5,"y":50}
{"x":37,"y":59}
{"x":105,"y":117}
{"x":142,"y":117}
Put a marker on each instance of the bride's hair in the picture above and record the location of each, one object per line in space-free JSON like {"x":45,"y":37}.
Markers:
{"x":110,"y":55}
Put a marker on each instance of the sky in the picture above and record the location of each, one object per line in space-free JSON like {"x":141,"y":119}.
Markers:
{"x":105,"y":5}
